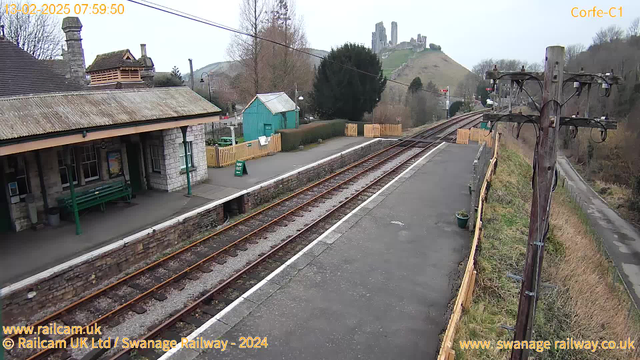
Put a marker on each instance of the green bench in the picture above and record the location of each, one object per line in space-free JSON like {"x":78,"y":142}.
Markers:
{"x":96,"y":196}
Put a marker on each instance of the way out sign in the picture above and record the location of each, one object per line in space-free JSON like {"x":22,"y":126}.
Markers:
{"x":241,"y":168}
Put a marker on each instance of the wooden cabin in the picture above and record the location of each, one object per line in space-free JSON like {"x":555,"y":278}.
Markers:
{"x":118,"y":69}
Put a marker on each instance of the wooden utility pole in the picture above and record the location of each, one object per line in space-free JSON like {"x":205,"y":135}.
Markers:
{"x":543,"y":179}
{"x":547,"y":125}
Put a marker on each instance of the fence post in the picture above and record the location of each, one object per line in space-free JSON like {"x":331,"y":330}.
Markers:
{"x":469,"y":295}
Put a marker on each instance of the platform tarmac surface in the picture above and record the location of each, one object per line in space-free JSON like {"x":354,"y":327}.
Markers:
{"x":377,"y":287}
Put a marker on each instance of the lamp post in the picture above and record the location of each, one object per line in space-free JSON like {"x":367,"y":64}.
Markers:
{"x":298,"y":109}
{"x":208,"y":82}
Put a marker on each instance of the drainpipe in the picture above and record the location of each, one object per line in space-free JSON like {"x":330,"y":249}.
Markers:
{"x":186,"y":157}
{"x":74,"y":205}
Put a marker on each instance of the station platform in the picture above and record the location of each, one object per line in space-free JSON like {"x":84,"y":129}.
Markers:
{"x":376,"y":285}
{"x":222,"y":182}
{"x":29,"y":252}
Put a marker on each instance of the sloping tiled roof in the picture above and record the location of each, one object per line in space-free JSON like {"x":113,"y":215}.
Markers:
{"x":21,"y":73}
{"x":24,"y":116}
{"x":59,"y":66}
{"x":276,"y":102}
{"x":113,"y":60}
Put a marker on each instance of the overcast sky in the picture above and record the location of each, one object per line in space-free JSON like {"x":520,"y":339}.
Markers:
{"x":467,"y":30}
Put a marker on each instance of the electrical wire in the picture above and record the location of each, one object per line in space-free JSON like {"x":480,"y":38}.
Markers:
{"x":191,"y":17}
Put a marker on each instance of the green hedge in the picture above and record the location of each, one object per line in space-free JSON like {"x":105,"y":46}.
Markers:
{"x":310,"y":133}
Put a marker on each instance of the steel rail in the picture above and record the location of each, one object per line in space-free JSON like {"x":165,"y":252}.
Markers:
{"x":156,"y":331}
{"x":430,"y":131}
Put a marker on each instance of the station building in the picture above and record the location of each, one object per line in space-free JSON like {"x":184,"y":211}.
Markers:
{"x":107,"y":135}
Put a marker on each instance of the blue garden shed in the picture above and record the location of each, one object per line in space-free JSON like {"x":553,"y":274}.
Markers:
{"x":267,"y":113}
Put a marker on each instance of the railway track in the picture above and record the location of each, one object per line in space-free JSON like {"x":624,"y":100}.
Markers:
{"x":108,"y":307}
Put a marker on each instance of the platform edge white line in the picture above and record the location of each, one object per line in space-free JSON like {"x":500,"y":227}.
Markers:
{"x":256,"y":287}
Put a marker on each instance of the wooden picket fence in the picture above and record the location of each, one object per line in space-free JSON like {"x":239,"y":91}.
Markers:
{"x":351,"y":130}
{"x":462,"y":136}
{"x":465,"y":293}
{"x":225,"y":156}
{"x":390,"y":129}
{"x":481,"y":136}
{"x":377,"y":130}
{"x":372,"y":130}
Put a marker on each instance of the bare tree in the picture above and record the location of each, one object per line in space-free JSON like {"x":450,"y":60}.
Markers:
{"x":610,"y":34}
{"x":38,"y":34}
{"x":286,"y":67}
{"x":482,"y":67}
{"x":571,"y":53}
{"x":246,"y":49}
{"x":467,"y":86}
{"x":534,"y":67}
{"x":634,"y":28}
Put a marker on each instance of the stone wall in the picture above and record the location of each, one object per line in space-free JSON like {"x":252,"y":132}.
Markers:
{"x":66,"y":286}
{"x":176,"y":177}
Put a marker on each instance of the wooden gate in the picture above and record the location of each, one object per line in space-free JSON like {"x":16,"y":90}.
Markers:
{"x":372,"y":130}
{"x":351,"y":130}
{"x":481,"y":136}
{"x":462,"y":136}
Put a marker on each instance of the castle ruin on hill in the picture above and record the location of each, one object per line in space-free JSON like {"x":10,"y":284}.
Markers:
{"x":379,"y":40}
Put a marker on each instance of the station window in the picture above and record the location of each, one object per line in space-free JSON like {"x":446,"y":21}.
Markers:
{"x":189,"y":155}
{"x":89,"y":163}
{"x":18,"y":179}
{"x":64,"y":178}
{"x":156,"y":158}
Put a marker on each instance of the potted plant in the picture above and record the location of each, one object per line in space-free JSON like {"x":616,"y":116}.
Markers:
{"x":463,"y":218}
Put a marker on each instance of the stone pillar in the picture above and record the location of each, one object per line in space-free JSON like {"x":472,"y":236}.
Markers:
{"x":74,"y":56}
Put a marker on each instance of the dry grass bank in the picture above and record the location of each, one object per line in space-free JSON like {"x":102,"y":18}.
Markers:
{"x":585,"y":300}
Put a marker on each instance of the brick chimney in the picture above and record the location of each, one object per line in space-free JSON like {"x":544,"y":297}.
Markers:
{"x":74,"y":56}
{"x":149,"y":69}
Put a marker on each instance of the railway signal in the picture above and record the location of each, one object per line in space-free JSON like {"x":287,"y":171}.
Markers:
{"x":547,"y":125}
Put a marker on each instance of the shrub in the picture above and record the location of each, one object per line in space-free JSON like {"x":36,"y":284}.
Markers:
{"x":310,"y":133}
{"x":455,"y":107}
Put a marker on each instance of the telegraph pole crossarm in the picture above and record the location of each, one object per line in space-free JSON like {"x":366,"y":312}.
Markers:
{"x":519,"y":118}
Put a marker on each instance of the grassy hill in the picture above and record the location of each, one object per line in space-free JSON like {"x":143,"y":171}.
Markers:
{"x":394,"y":60}
{"x":429,"y":65}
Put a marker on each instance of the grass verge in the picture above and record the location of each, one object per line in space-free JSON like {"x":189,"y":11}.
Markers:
{"x":584,"y":301}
